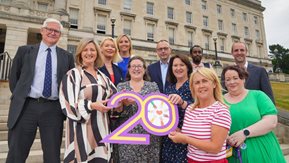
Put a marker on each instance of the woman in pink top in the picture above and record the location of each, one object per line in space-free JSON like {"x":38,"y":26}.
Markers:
{"x":207,"y":121}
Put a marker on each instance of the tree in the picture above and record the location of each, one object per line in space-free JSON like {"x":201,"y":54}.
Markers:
{"x":281,"y":57}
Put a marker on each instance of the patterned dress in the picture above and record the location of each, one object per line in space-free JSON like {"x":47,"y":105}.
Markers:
{"x":138,"y":153}
{"x":176,"y":152}
{"x":85,"y":128}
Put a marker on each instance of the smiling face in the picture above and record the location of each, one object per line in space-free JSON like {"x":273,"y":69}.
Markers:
{"x":203,"y":88}
{"x":89,"y":55}
{"x":179,"y":69}
{"x":136,"y":69}
{"x":233,"y":81}
{"x":124,"y":45}
{"x":51,"y":33}
{"x":108,"y":48}
{"x":239,"y":52}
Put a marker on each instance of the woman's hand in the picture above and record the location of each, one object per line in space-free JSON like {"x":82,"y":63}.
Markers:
{"x":236,"y":139}
{"x":100,"y":106}
{"x":177,"y":137}
{"x":176,"y":99}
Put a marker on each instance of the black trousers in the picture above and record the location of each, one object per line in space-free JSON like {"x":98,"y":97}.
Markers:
{"x":45,"y":115}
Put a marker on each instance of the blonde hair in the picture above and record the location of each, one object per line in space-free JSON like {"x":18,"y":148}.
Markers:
{"x":81,"y":45}
{"x":211,"y":75}
{"x":129,"y":39}
{"x":116,"y":57}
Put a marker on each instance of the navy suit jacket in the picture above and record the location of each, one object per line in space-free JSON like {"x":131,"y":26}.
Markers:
{"x":116,"y":71}
{"x":22,"y":74}
{"x":154,"y":71}
{"x":259,"y":80}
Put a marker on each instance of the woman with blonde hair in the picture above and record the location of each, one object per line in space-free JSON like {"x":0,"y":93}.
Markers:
{"x":83,"y":94}
{"x":207,"y":121}
{"x":124,"y":46}
{"x":110,"y":56}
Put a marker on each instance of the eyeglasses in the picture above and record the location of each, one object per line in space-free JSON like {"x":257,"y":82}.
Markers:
{"x":50,"y":30}
{"x":195,"y":52}
{"x":164,"y":48}
{"x":136,"y":66}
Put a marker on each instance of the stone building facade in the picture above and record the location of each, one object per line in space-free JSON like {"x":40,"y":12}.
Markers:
{"x":182,"y":22}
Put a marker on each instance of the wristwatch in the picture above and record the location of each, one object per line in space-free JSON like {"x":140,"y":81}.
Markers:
{"x":246,"y":132}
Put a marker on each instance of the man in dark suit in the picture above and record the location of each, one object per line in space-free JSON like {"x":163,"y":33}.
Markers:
{"x":158,"y":70}
{"x":35,"y":76}
{"x":258,"y":78}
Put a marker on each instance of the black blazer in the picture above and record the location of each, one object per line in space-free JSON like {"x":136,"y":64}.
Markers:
{"x":116,"y":71}
{"x":258,"y":80}
{"x":22,"y":73}
{"x":154,"y":71}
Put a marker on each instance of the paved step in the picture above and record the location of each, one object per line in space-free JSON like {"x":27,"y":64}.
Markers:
{"x":3,"y":126}
{"x":4,"y":106}
{"x":4,"y":84}
{"x":3,"y":119}
{"x":5,"y":101}
{"x":35,"y":156}
{"x":285,"y":149}
{"x":4,"y":112}
{"x":287,"y":158}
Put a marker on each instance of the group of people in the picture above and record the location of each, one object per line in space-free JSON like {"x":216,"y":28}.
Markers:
{"x":48,"y":88}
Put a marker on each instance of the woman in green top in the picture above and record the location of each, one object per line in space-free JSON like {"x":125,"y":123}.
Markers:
{"x":254,"y":116}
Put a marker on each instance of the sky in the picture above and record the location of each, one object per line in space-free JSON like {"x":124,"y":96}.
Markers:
{"x":276,"y":19}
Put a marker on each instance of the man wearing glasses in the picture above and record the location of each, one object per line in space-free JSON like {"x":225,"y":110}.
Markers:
{"x":196,"y":52}
{"x":34,"y":81}
{"x":158,"y":70}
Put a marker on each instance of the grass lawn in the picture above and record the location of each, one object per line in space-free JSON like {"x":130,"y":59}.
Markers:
{"x":281,"y":94}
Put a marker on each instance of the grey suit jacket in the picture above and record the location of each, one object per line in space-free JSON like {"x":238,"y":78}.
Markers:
{"x":22,"y":73}
{"x":259,"y":80}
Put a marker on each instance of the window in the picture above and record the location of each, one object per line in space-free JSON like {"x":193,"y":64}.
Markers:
{"x":170,"y":13}
{"x":219,"y":9}
{"x":232,"y":13}
{"x":71,"y":49}
{"x":73,"y":17}
{"x":222,"y":44}
{"x":259,"y":49}
{"x":188,"y":17}
{"x":244,"y":16}
{"x":234,"y":28}
{"x":188,"y":2}
{"x":127,"y":4}
{"x":42,"y":6}
{"x":101,"y":24}
{"x":127,"y":27}
{"x":246,"y":31}
{"x":257,"y":34}
{"x":207,"y":42}
{"x":190,"y":35}
{"x":102,"y":2}
{"x":5,"y":1}
{"x":255,"y":19}
{"x":220,"y":25}
{"x":150,"y":32}
{"x":204,"y":5}
{"x":205,"y":21}
{"x":249,"y":48}
{"x":150,"y":8}
{"x":171,"y":35}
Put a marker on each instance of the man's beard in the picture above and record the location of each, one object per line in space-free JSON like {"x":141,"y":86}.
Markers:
{"x":197,"y":59}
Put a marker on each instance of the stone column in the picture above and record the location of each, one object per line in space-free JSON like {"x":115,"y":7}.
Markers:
{"x":15,"y":36}
{"x":88,"y":15}
{"x":60,"y":7}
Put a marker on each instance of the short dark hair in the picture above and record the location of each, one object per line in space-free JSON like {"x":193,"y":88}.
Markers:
{"x":242,"y":73}
{"x":195,"y":46}
{"x":145,"y":76}
{"x":171,"y":77}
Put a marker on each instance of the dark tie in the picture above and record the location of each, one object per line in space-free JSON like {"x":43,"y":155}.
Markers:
{"x":48,"y":75}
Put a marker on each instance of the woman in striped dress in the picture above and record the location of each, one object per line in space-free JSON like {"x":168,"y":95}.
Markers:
{"x":207,"y":121}
{"x":83,"y":95}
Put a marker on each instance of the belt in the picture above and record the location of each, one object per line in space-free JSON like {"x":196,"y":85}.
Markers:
{"x":41,"y":99}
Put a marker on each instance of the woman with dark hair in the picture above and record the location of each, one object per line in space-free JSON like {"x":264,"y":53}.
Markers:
{"x":179,"y":71}
{"x":254,"y":116}
{"x":137,"y":82}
